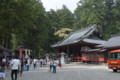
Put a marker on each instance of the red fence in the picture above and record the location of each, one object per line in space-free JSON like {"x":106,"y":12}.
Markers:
{"x":93,"y":57}
{"x":90,"y":57}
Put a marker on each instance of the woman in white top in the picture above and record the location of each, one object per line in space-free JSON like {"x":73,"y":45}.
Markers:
{"x":51,"y":64}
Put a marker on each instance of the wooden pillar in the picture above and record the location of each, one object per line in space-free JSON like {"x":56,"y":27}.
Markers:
{"x":73,"y":55}
{"x":77,"y":55}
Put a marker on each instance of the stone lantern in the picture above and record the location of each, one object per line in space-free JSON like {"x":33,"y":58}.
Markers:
{"x":62,"y":58}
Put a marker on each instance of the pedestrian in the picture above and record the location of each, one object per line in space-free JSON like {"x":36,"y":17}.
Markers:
{"x":34,"y":63}
{"x":4,"y":61}
{"x":54,"y":65}
{"x":60,"y":65}
{"x":41,"y":62}
{"x":2,"y":71}
{"x":14,"y":66}
{"x":7,"y":63}
{"x":44,"y":62}
{"x":28,"y":64}
{"x":22,"y":66}
{"x":51,"y":65}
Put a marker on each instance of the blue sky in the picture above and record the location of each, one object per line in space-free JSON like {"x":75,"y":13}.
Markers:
{"x":57,"y":4}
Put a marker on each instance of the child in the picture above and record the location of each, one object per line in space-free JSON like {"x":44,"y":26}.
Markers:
{"x":2,"y":71}
{"x":60,"y":64}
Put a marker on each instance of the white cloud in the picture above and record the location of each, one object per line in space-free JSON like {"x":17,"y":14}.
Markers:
{"x":57,"y":4}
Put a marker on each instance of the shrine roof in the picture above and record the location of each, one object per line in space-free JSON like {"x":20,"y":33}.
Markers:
{"x":80,"y":35}
{"x":4,"y":49}
{"x":114,"y":41}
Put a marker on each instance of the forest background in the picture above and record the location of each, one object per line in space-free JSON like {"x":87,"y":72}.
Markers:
{"x":25,"y":22}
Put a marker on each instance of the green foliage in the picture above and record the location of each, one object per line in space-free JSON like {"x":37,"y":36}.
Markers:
{"x":63,"y":33}
{"x":66,"y":18}
{"x":25,"y":22}
{"x":102,"y":12}
{"x":62,"y":18}
{"x":90,"y":12}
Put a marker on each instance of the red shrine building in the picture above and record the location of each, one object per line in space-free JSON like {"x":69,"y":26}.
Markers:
{"x":81,"y":45}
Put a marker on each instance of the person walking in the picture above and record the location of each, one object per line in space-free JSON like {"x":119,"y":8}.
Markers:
{"x":44,"y":62}
{"x":2,"y":71}
{"x":4,"y":61}
{"x":34,"y":63}
{"x":28,"y":64}
{"x":60,"y":65}
{"x":51,"y":65}
{"x":22,"y":66}
{"x":54,"y":65}
{"x":14,"y":66}
{"x":41,"y":62}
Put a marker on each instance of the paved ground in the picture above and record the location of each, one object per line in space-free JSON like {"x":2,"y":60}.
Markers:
{"x":74,"y":71}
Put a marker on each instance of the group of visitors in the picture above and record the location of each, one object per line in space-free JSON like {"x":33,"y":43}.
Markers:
{"x":41,"y":61}
{"x":15,"y":65}
{"x":53,"y":64}
{"x":19,"y":65}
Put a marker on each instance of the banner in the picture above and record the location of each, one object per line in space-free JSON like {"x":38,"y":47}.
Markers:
{"x":29,"y":52}
{"x":26,"y":51}
{"x":20,"y":53}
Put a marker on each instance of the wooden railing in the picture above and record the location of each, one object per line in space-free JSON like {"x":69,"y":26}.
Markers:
{"x":88,"y":59}
{"x":92,"y":59}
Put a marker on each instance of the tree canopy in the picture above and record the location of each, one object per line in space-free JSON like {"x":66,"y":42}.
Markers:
{"x":25,"y":22}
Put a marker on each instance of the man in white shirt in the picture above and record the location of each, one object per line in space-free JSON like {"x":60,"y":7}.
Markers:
{"x":34,"y":63}
{"x":14,"y":66}
{"x":41,"y":62}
